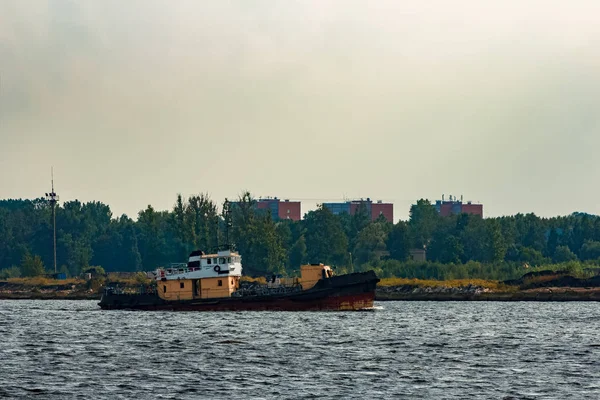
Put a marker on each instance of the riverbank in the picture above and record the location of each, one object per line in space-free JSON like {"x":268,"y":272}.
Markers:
{"x":540,"y":294}
{"x":534,"y":286}
{"x":540,"y":286}
{"x":48,"y":289}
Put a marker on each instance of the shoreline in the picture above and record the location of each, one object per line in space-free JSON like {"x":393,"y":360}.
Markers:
{"x":563,"y":294}
{"x":543,"y":287}
{"x":557,"y":295}
{"x":46,"y":296}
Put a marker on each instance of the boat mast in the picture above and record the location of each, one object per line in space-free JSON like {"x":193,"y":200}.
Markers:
{"x":53,"y":198}
{"x":217,"y":233}
{"x":227,"y":220}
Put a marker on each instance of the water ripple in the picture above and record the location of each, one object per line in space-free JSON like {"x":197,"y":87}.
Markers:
{"x":412,"y":350}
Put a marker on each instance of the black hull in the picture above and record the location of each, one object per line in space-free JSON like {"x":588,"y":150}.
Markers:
{"x":345,"y":292}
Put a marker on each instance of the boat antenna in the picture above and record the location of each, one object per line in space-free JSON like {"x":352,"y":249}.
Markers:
{"x":217,"y":232}
{"x":227,"y":220}
{"x":227,"y":225}
{"x":53,"y":198}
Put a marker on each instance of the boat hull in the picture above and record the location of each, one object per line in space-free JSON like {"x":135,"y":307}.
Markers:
{"x":340,"y":293}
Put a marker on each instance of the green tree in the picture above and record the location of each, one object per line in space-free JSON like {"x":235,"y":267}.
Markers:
{"x":202,"y":221}
{"x":95,"y":271}
{"x":297,"y":255}
{"x":532,"y":231}
{"x":398,"y":241}
{"x":583,"y":230}
{"x":32,"y":265}
{"x":441,"y":247}
{"x":358,"y":221}
{"x":590,"y":250}
{"x":452,"y":250}
{"x":471,"y":239}
{"x":422,"y":223}
{"x":563,"y":254}
{"x":12,"y":272}
{"x":284,"y":231}
{"x":256,"y":238}
{"x":129,"y":252}
{"x":370,"y":243}
{"x":326,"y":240}
{"x":531,"y":256}
{"x":496,"y":247}
{"x":152,"y":240}
{"x":269,"y":250}
{"x":552,"y":243}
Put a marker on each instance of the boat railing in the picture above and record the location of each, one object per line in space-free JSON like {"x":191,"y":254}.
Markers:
{"x":182,"y":268}
{"x":175,"y":269}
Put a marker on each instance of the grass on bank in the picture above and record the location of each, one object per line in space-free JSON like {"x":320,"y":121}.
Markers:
{"x":40,"y":281}
{"x":95,"y":283}
{"x":457,"y":283}
{"x":136,"y":279}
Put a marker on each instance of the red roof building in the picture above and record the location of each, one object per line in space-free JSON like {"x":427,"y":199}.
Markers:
{"x":374,"y":210}
{"x":455,"y":206}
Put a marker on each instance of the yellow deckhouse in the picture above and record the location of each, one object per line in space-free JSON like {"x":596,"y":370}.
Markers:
{"x":205,"y":276}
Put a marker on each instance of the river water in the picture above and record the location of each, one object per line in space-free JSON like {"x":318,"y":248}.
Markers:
{"x":412,"y":350}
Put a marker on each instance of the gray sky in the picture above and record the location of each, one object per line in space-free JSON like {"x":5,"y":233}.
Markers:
{"x":136,"y":101}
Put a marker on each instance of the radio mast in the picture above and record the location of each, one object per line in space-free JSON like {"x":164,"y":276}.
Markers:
{"x":53,"y":198}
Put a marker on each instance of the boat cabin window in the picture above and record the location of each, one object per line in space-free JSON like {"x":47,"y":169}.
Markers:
{"x":229,"y":260}
{"x":220,"y":283}
{"x":181,"y":285}
{"x":214,"y":260}
{"x":208,"y":261}
{"x":222,"y":260}
{"x":164,"y":288}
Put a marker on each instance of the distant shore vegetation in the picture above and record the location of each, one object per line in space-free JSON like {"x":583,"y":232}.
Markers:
{"x":456,"y":247}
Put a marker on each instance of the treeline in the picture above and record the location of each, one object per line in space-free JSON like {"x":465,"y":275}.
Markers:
{"x":459,"y":246}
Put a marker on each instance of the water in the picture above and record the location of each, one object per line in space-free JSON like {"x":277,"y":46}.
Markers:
{"x":412,"y":350}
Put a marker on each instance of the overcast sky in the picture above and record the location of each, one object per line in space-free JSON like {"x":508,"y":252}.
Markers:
{"x":133,"y":102}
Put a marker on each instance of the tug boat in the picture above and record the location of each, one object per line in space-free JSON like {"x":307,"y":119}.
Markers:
{"x":211,"y":282}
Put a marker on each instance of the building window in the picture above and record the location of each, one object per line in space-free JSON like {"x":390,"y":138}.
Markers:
{"x":220,"y":283}
{"x":164,"y":288}
{"x":180,"y":285}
